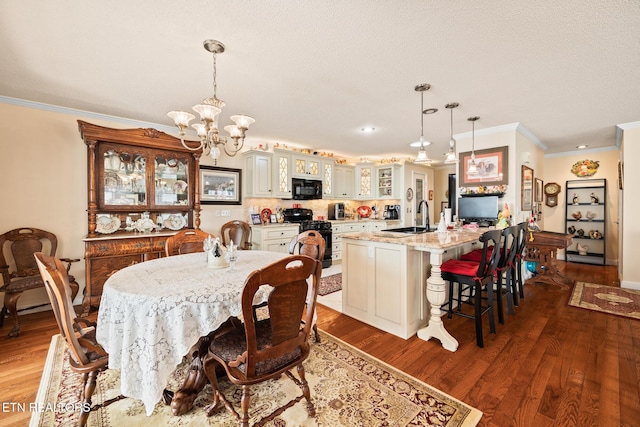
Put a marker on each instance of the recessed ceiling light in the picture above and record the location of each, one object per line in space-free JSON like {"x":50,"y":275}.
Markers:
{"x":368,"y":129}
{"x":580,"y":147}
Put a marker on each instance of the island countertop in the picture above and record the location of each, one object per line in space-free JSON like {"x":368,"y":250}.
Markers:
{"x":421,"y":241}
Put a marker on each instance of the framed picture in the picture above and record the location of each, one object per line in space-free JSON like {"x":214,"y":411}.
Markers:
{"x":492,"y":166}
{"x":430,"y":194}
{"x":443,"y":206}
{"x":526,"y":189}
{"x":274,"y":219}
{"x":255,"y":219}
{"x":539,"y":195}
{"x":220,"y":186}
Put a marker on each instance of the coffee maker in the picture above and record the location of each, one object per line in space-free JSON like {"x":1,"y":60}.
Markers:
{"x":391,"y":212}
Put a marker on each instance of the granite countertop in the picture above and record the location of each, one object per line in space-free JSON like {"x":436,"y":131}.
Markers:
{"x":432,"y":240}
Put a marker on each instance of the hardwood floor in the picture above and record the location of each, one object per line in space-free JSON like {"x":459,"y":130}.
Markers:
{"x":549,"y":364}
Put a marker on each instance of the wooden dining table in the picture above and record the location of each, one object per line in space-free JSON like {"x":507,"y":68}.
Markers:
{"x":153,"y":312}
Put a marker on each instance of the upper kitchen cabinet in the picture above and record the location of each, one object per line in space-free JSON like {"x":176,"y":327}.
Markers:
{"x":327,"y":178}
{"x":306,"y":166}
{"x":139,"y":173}
{"x":343,"y":182}
{"x":282,"y":161}
{"x":365,"y":181}
{"x":258,"y":174}
{"x":387,"y":185}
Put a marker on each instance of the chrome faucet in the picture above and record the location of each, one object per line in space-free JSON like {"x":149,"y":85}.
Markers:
{"x":419,"y":211}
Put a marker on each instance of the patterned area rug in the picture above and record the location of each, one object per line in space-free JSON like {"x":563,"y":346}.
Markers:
{"x":348,"y":388}
{"x":607,"y":299}
{"x":330,"y":284}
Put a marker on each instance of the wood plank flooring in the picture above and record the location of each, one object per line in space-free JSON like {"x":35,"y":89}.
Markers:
{"x":548,"y":365}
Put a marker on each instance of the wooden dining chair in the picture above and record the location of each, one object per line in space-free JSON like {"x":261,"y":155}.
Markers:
{"x":86,"y":356}
{"x":19,"y":270}
{"x":185,"y":242}
{"x":267,"y":348}
{"x":239,"y":232}
{"x":312,"y":244}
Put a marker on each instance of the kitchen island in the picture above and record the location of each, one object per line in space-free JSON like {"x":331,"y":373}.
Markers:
{"x":384,"y":276}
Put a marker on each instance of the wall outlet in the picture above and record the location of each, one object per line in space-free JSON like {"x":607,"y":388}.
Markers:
{"x":226,"y":213}
{"x":217,"y":213}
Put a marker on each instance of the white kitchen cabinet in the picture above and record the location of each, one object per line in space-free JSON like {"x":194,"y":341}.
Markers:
{"x":385,"y":285}
{"x":307,"y":167}
{"x":338,"y":228}
{"x":344,"y":182}
{"x":328,"y":187}
{"x":282,"y":161}
{"x":387,"y":182}
{"x":273,"y":238}
{"x":364,"y":182}
{"x":258,"y":174}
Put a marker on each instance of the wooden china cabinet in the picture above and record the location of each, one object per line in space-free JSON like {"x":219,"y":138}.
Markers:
{"x":142,"y":188}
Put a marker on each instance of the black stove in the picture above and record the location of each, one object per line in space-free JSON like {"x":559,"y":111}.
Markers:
{"x":304,"y":217}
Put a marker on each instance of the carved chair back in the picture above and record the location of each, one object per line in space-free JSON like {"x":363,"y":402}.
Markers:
{"x":309,"y":243}
{"x":239,"y":232}
{"x":185,"y":242}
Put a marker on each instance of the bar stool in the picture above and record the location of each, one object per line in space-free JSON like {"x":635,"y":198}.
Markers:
{"x":474,"y":277}
{"x":505,"y":270}
{"x":517,"y":273}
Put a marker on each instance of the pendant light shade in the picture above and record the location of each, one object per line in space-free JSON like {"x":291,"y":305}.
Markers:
{"x":472,"y":169}
{"x":450,"y":157}
{"x":423,"y":158}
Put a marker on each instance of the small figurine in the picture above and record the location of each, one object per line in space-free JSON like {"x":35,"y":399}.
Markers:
{"x":577,"y":215}
{"x":590,"y":215}
{"x":595,"y":234}
{"x":580,"y":232}
{"x":442,"y":226}
{"x":532,"y":226}
{"x":576,"y":200}
{"x":594,"y":199}
{"x":582,"y":249}
{"x":504,"y":218}
{"x":571,"y":229}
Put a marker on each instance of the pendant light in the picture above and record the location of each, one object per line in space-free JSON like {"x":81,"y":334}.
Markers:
{"x":450,"y":156}
{"x":422,"y":158}
{"x":472,"y":169}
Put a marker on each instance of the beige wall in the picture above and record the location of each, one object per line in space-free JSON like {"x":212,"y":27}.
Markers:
{"x":558,"y":169}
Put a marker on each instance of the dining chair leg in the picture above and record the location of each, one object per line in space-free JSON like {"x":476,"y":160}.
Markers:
{"x":490,"y":310}
{"x":520,"y":282}
{"x":244,"y":403}
{"x":478,"y":317}
{"x":498,"y":289}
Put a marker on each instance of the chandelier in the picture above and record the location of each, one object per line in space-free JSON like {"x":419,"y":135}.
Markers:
{"x":209,"y":109}
{"x":422,"y":158}
{"x":472,"y":169}
{"x":450,"y":156}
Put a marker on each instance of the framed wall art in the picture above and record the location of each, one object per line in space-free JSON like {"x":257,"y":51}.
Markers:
{"x":493,"y":167}
{"x":220,"y":186}
{"x":539,"y":192}
{"x":526,"y":188}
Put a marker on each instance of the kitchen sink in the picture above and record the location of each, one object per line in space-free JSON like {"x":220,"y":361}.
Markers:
{"x":409,"y":230}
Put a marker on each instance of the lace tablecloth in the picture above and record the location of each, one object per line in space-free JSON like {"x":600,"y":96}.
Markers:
{"x":152,"y":313}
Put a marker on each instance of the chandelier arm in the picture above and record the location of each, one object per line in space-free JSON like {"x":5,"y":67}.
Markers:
{"x":236,"y":150}
{"x":200,"y":147}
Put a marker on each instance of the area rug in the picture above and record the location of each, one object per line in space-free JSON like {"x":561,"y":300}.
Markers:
{"x":607,"y":299}
{"x":348,"y":388}
{"x":330,"y":284}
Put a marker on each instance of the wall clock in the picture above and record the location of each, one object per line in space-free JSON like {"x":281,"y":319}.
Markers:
{"x":409,"y":194}
{"x":551,"y":191}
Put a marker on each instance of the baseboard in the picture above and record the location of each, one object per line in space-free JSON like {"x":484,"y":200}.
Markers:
{"x":630,"y":285}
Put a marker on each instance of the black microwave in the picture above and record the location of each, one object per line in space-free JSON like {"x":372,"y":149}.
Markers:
{"x":306,"y":189}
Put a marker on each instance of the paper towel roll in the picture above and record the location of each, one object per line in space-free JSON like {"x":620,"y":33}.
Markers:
{"x":447,"y":215}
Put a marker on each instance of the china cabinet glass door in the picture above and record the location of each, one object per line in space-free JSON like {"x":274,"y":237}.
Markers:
{"x":124,"y":178}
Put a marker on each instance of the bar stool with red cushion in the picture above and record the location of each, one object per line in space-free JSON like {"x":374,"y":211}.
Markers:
{"x":517,"y":268}
{"x":504,"y":271}
{"x":474,"y":277}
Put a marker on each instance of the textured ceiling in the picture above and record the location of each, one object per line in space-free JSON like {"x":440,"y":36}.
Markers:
{"x":316,"y":72}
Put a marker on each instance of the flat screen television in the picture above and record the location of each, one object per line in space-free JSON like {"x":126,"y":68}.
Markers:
{"x":483,"y":210}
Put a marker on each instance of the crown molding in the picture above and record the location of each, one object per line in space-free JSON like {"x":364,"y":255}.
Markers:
{"x":511,"y":127}
{"x":171,"y":130}
{"x":621,"y":128}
